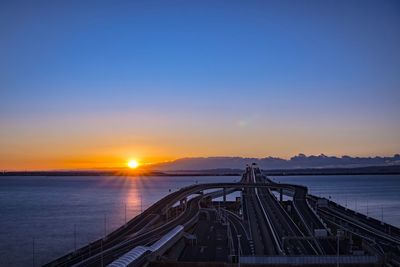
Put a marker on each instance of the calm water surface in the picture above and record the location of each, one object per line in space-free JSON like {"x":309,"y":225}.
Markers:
{"x":375,"y":195}
{"x":45,"y":209}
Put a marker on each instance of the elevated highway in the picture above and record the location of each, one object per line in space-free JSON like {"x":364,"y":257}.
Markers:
{"x":279,"y":217}
{"x":265,"y":227}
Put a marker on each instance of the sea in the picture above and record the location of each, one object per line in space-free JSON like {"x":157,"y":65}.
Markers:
{"x":43,"y":218}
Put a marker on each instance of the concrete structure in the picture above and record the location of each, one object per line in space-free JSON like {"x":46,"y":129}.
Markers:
{"x":299,"y":231}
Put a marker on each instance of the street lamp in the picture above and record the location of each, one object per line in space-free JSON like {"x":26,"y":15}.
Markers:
{"x":125,"y":212}
{"x":238,"y":237}
{"x":339,"y":233}
{"x":75,"y":237}
{"x":33,"y":251}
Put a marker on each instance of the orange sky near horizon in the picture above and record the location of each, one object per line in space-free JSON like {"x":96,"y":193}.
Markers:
{"x":109,"y":140}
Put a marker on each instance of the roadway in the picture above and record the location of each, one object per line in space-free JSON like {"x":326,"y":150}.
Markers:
{"x":263,"y":229}
{"x":122,"y":235}
{"x":150,"y":217}
{"x":237,"y":227}
{"x":283,"y":224}
{"x":262,"y":235}
{"x":309,"y":219}
{"x":110,"y":254}
{"x":211,"y":240}
{"x":118,"y":237}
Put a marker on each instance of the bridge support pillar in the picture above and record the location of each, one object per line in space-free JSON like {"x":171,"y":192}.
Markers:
{"x":281,"y":195}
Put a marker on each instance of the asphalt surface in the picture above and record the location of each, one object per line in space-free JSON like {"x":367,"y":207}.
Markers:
{"x":263,"y":229}
{"x":282,"y":223}
{"x":211,"y":242}
{"x":237,"y":227}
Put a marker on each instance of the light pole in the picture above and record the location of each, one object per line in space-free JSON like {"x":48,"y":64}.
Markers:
{"x":75,"y":237}
{"x":125,"y":211}
{"x":141,"y":204}
{"x":33,"y":251}
{"x":101,"y":244}
{"x":230,"y":240}
{"x":337,"y":242}
{"x":339,"y":233}
{"x":238,"y":237}
{"x":105,"y":225}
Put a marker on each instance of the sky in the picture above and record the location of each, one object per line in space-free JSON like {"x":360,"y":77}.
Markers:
{"x":92,"y":84}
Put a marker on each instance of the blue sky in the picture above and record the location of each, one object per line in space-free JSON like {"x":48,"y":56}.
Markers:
{"x":280,"y":73}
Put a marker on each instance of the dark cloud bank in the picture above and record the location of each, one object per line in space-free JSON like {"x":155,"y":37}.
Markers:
{"x":270,"y":163}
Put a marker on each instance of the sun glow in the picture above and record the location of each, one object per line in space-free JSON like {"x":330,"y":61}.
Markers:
{"x":133,"y":164}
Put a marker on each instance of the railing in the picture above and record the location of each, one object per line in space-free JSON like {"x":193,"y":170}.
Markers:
{"x":302,"y":260}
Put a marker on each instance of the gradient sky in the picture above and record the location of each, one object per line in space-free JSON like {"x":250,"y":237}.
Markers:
{"x":91,"y":84}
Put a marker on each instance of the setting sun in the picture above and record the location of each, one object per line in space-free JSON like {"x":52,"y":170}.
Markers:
{"x":133,"y":164}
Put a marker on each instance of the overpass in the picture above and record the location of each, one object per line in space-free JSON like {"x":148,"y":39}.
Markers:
{"x":268,"y":229}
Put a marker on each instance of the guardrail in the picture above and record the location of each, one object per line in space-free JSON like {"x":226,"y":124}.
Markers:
{"x":304,"y":260}
{"x":273,"y":231}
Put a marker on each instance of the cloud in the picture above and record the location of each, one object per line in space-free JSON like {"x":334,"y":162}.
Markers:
{"x":269,"y":163}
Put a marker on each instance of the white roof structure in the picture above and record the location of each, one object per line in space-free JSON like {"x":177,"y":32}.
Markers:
{"x":131,"y":256}
{"x":163,"y":240}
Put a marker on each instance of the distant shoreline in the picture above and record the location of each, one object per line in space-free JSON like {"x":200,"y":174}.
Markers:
{"x":372,"y":170}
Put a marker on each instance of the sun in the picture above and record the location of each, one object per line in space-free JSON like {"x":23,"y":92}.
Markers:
{"x":133,"y":164}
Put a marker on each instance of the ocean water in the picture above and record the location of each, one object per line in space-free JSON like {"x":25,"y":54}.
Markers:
{"x":375,"y":195}
{"x":39,"y":214}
